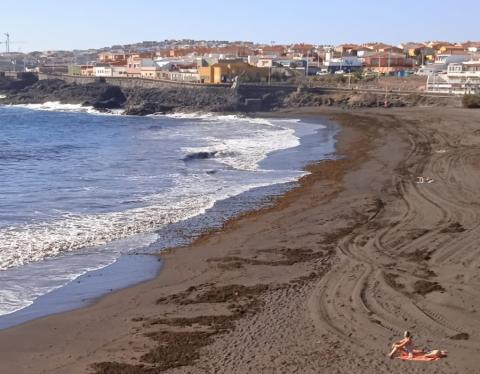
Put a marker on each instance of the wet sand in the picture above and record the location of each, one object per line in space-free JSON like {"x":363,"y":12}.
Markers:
{"x":322,"y":282}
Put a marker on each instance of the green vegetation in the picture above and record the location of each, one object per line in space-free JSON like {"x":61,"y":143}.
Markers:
{"x":471,"y":101}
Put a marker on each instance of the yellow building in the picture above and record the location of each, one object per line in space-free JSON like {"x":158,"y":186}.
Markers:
{"x":225,"y":72}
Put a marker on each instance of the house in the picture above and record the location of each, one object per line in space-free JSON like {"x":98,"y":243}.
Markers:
{"x":347,"y":49}
{"x":441,"y":63}
{"x":119,"y":71}
{"x":171,"y":64}
{"x":87,"y":71}
{"x":345,"y":63}
{"x":472,"y":46}
{"x":135,"y":63}
{"x":112,"y":57}
{"x":285,"y":62}
{"x":409,"y":48}
{"x":272,"y":50}
{"x":260,"y":61}
{"x":382,"y":47}
{"x":181,"y":75}
{"x":452,"y":49}
{"x":386,"y":62}
{"x":460,"y":78}
{"x":301,"y":50}
{"x":225,"y":72}
{"x":83,"y":70}
{"x":102,"y":70}
{"x":148,"y":68}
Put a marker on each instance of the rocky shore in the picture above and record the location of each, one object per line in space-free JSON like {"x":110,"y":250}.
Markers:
{"x":135,"y":101}
{"x":143,"y":101}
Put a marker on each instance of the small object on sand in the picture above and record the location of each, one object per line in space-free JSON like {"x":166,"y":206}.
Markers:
{"x":422,"y":180}
{"x":441,"y":151}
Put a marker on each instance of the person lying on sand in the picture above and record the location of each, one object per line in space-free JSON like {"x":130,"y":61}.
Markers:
{"x":406,"y":344}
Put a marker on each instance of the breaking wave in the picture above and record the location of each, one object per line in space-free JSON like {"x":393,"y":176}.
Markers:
{"x":56,"y":106}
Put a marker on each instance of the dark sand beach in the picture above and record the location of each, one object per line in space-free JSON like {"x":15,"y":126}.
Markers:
{"x":322,"y":282}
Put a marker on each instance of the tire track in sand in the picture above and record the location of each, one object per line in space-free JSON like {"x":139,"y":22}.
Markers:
{"x":407,"y":243}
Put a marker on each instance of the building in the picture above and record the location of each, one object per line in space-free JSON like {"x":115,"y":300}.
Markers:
{"x":441,"y":63}
{"x":119,"y":71}
{"x":112,"y":57}
{"x":74,"y":70}
{"x":182,"y":75}
{"x":386,"y":62}
{"x":347,"y":49}
{"x":382,"y":47}
{"x":53,"y":68}
{"x":260,"y":61}
{"x":272,"y":50}
{"x":83,"y":70}
{"x":460,"y":78}
{"x":225,"y":72}
{"x":103,"y":70}
{"x":148,"y":68}
{"x":87,"y":71}
{"x":452,"y":49}
{"x":135,"y":63}
{"x":344,"y":63}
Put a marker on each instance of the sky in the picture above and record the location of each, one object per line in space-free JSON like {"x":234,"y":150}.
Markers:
{"x":54,"y":24}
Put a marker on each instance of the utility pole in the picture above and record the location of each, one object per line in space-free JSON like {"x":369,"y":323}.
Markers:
{"x":270,"y":74}
{"x":386,"y":81}
{"x":306,"y":66}
{"x":7,"y":42}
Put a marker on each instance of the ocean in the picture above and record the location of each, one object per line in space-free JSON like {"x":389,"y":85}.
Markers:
{"x":84,"y":193}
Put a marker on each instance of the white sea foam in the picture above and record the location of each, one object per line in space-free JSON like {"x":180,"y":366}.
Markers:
{"x":210,"y":116}
{"x":56,"y":106}
{"x":245,"y":154}
{"x":17,"y":292}
{"x":34,"y":242}
{"x":240,"y":152}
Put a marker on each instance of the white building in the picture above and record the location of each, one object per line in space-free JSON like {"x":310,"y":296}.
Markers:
{"x":102,"y":70}
{"x":441,"y":63}
{"x":346,"y":63}
{"x":460,"y":78}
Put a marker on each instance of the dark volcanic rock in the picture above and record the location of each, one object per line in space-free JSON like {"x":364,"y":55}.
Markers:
{"x":143,"y":101}
{"x":26,"y":80}
{"x":135,"y":101}
{"x":146,"y":108}
{"x":99,"y":95}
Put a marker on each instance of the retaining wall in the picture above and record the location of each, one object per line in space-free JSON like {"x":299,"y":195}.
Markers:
{"x":128,"y":82}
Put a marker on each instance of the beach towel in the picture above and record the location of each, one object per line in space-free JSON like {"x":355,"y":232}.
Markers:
{"x":417,"y":356}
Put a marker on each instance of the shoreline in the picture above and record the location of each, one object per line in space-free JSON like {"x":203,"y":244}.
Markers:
{"x":295,"y":287}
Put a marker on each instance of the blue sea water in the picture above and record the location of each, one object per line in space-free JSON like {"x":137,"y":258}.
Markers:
{"x":80,"y":189}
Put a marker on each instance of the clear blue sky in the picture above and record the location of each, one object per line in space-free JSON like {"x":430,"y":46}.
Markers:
{"x":55,"y":24}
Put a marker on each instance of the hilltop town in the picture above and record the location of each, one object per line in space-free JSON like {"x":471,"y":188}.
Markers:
{"x":444,"y":67}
